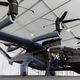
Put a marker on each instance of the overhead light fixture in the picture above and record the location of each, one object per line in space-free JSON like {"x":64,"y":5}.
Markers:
{"x":32,"y":34}
{"x":68,"y":30}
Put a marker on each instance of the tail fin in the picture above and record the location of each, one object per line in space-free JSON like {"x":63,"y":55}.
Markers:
{"x":5,"y":54}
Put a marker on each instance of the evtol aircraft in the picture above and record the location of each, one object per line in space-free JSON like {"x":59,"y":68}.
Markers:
{"x":48,"y":55}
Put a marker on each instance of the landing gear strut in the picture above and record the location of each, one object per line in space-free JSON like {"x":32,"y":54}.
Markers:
{"x":48,"y":71}
{"x":24,"y":68}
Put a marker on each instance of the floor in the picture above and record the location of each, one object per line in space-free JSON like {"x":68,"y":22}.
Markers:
{"x":38,"y":78}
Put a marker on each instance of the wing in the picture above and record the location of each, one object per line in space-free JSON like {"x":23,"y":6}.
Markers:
{"x":21,"y":41}
{"x":46,"y":36}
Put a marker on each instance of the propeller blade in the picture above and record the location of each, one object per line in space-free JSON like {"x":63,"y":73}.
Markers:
{"x":66,"y":21}
{"x":78,"y":43}
{"x":4,"y":3}
{"x":63,"y":16}
{"x":11,"y":1}
{"x":77,"y":38}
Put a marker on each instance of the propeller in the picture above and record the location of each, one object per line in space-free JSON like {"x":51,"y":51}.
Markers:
{"x":7,"y":3}
{"x":4,"y":3}
{"x":60,"y":20}
{"x":13,"y":7}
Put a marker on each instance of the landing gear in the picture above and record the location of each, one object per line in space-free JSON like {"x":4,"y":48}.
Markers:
{"x":48,"y":71}
{"x":52,"y":73}
{"x":24,"y":67}
{"x":48,"y":68}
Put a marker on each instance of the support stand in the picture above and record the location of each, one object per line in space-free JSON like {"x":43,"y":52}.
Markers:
{"x":48,"y":72}
{"x":24,"y":68}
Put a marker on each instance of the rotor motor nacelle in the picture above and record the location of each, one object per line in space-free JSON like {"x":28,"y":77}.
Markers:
{"x":13,"y":9}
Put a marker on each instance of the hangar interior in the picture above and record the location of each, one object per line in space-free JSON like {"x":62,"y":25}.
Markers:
{"x":35,"y":18}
